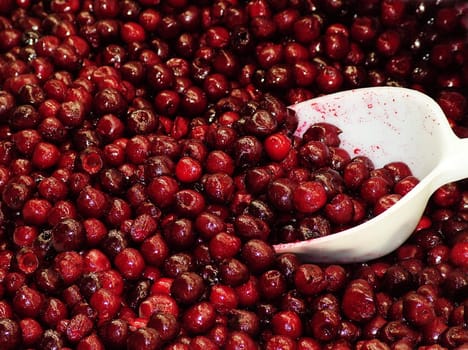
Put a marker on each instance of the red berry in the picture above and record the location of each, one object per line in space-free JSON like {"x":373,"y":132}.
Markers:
{"x":132,"y":32}
{"x":277,"y":146}
{"x":459,"y":254}
{"x":188,"y":170}
{"x":36,"y":211}
{"x":45,"y":155}
{"x":309,"y":197}
{"x":287,"y":323}
{"x":130,"y":263}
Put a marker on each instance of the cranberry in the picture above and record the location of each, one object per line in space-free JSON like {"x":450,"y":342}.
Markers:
{"x":425,"y":312}
{"x":458,"y":254}
{"x":51,"y":339}
{"x":258,"y":255}
{"x":141,"y":121}
{"x":179,"y":234}
{"x":397,"y":279}
{"x":325,"y":325}
{"x":329,"y":79}
{"x":340,"y":209}
{"x":310,"y":196}
{"x":130,"y":263}
{"x":363,"y":29}
{"x":177,"y":264}
{"x":31,"y":331}
{"x":405,"y":185}
{"x":388,"y":43}
{"x":233,"y":272}
{"x":336,"y":46}
{"x":61,"y":210}
{"x":68,"y":235}
{"x":25,"y":235}
{"x":114,"y":333}
{"x":247,"y":150}
{"x":272,"y":284}
{"x":53,"y":312}
{"x":246,"y":321}
{"x":250,"y":227}
{"x":224,"y":246}
{"x":27,"y":302}
{"x":35,"y":211}
{"x":374,"y":188}
{"x":10,"y":333}
{"x":323,"y":132}
{"x":187,"y":288}
{"x":166,"y":324}
{"x":188,"y":169}
{"x":156,"y":303}
{"x":199,"y":318}
{"x":45,"y":155}
{"x":359,"y":301}
{"x":309,"y":279}
{"x":69,"y":265}
{"x":307,"y":29}
{"x":52,"y":189}
{"x":239,"y":339}
{"x":224,"y":298}
{"x":144,"y":338}
{"x":219,"y":187}
{"x":105,"y":303}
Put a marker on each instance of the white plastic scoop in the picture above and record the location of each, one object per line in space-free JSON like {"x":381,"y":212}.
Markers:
{"x":386,"y":124}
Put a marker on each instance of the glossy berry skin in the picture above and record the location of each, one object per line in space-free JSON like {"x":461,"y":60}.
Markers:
{"x":309,"y":279}
{"x":188,"y":169}
{"x":309,"y":197}
{"x":187,"y":288}
{"x":106,"y":303}
{"x":373,"y":188}
{"x":68,"y":235}
{"x":199,"y":318}
{"x":272,"y":284}
{"x":158,"y":302}
{"x":358,"y":301}
{"x":224,"y":246}
{"x":45,"y":155}
{"x":324,"y":325}
{"x":277,"y":146}
{"x":417,"y":309}
{"x":219,"y":161}
{"x":239,"y":339}
{"x":35,"y":211}
{"x":130,"y":263}
{"x":258,"y":255}
{"x":162,"y":190}
{"x":340,"y":209}
{"x":31,"y":331}
{"x":459,"y":254}
{"x":132,"y":32}
{"x":329,"y":79}
{"x":10,"y":333}
{"x":27,"y":302}
{"x":287,"y":323}
{"x":224,"y":298}
{"x":144,"y":338}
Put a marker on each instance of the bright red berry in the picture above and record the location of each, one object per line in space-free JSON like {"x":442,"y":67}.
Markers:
{"x":459,"y":254}
{"x":188,"y":169}
{"x":277,"y":146}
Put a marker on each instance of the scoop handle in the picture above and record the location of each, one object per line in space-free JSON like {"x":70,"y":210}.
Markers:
{"x":453,"y":165}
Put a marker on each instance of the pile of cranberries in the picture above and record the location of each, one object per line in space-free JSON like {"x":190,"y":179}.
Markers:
{"x":148,"y":164}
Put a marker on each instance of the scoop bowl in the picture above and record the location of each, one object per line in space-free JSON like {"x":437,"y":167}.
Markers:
{"x":386,"y":124}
